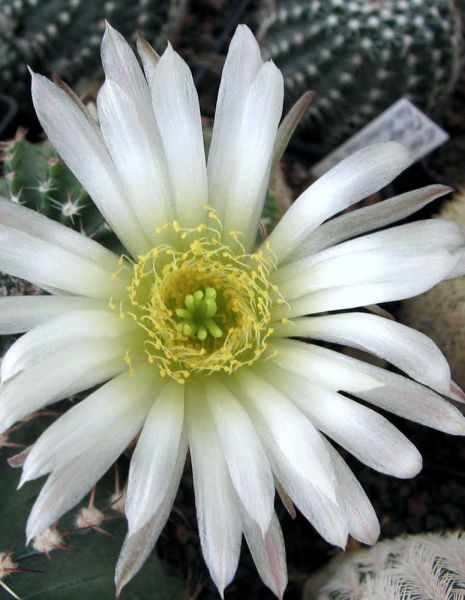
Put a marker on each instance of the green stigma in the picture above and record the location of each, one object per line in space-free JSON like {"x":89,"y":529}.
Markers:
{"x":198,"y":315}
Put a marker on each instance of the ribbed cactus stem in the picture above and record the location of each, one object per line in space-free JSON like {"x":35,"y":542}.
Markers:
{"x":64,"y":36}
{"x":360,"y":56}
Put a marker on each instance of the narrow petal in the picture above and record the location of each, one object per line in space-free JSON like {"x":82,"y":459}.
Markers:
{"x":370,"y":217}
{"x":364,"y":278}
{"x":82,"y":148}
{"x":45,"y":263}
{"x":407,"y":349}
{"x":426,"y":235}
{"x":394,"y":393}
{"x":138,"y":546}
{"x":67,"y":485}
{"x":75,"y":432}
{"x":306,"y":359}
{"x":289,"y":125}
{"x":292,"y":434}
{"x":217,"y":508}
{"x":367,"y":266}
{"x":250,"y":153}
{"x":177,"y":112}
{"x":148,"y":56}
{"x":62,"y":374}
{"x":247,"y":463}
{"x":240,"y":68}
{"x":136,"y":150}
{"x":302,"y":486}
{"x":154,"y":459}
{"x":64,"y":331}
{"x":356,"y":177}
{"x":121,"y":67}
{"x":360,"y":430}
{"x":21,"y":313}
{"x":268,"y":553}
{"x":459,"y":267}
{"x":38,"y":226}
{"x":363,"y":522}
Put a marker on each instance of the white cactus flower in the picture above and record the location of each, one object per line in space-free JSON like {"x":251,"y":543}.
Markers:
{"x":193,"y":330}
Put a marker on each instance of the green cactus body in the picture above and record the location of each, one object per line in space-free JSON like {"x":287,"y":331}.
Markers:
{"x":416,"y":567}
{"x":63,"y":36}
{"x":360,"y":56}
{"x":35,"y":176}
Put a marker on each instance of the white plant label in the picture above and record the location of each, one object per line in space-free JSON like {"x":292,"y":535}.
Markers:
{"x":402,"y":122}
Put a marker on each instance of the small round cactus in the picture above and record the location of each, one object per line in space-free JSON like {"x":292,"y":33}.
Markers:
{"x":417,"y":567}
{"x":440,"y":313}
{"x":63,"y":36}
{"x":34,"y":175}
{"x":360,"y":56}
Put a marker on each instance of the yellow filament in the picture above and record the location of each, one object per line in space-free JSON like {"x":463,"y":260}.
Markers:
{"x":201,"y":258}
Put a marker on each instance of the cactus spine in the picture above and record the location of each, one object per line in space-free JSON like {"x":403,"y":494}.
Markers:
{"x":360,"y":56}
{"x":417,"y":567}
{"x":63,"y":36}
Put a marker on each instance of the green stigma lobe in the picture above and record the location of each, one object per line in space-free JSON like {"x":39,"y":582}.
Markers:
{"x":197,"y":316}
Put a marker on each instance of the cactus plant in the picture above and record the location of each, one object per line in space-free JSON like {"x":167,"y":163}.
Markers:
{"x":440,"y":313}
{"x":34,"y":175}
{"x":417,"y":567}
{"x":361,"y":56}
{"x":63,"y":36}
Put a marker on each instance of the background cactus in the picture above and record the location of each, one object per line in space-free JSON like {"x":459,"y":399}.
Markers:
{"x":34,"y":176}
{"x":360,"y":56}
{"x":63,"y":36}
{"x":418,"y":567}
{"x":440,"y":313}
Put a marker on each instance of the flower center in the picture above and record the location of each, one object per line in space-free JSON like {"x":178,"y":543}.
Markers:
{"x":202,"y":303}
{"x":197,"y":315}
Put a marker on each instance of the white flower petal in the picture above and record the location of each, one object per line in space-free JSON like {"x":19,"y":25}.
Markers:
{"x":45,"y":263}
{"x":358,"y":176}
{"x":363,"y":278}
{"x":135,"y":148}
{"x":363,"y":522}
{"x":139,"y":545}
{"x":218,"y":514}
{"x":394,"y":393}
{"x":148,"y":56}
{"x":21,"y":313}
{"x":409,"y":399}
{"x":153,"y":461}
{"x":368,"y":266}
{"x":38,"y":226}
{"x":250,"y":153}
{"x":407,"y":349}
{"x":83,"y":150}
{"x":459,"y":267}
{"x":268,"y":553}
{"x":242,"y":64}
{"x":121,"y":66}
{"x":67,"y":485}
{"x":75,"y":433}
{"x":306,"y":359}
{"x":177,"y":112}
{"x":247,"y":463}
{"x":62,"y":332}
{"x":370,"y":217}
{"x":59,"y":376}
{"x":293,"y":436}
{"x":360,"y":430}
{"x":426,"y":235}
